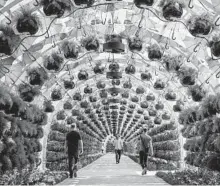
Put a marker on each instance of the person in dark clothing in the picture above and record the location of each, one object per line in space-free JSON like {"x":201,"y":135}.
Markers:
{"x":146,"y":147}
{"x":73,"y":140}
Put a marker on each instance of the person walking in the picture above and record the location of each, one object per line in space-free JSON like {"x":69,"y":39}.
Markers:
{"x":72,"y":143}
{"x":118,"y":148}
{"x":146,"y":148}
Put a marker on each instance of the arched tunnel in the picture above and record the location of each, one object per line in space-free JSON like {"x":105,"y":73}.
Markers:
{"x":112,"y":68}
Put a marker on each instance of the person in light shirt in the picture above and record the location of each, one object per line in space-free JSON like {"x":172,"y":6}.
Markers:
{"x":118,"y":143}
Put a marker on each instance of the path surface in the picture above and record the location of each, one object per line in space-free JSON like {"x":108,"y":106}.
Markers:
{"x":105,"y":171}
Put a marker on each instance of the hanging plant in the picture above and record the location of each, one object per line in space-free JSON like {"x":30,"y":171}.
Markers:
{"x":84,"y":104}
{"x":77,"y":96}
{"x":210,"y":105}
{"x":179,"y":106}
{"x":92,"y":99}
{"x":100,"y":85}
{"x":48,"y":106}
{"x":37,"y":76}
{"x":146,"y":118}
{"x":197,"y":93}
{"x":75,"y":112}
{"x":140,"y":111}
{"x":27,"y":92}
{"x":187,"y":76}
{"x":27,"y":22}
{"x":152,"y":112}
{"x":70,"y":50}
{"x":170,"y":95}
{"x":199,"y":25}
{"x":214,"y":45}
{"x":90,"y":43}
{"x":154,"y":52}
{"x":70,"y":120}
{"x":83,"y":75}
{"x":150,"y":97}
{"x":172,"y":9}
{"x":172,"y":63}
{"x":69,"y":83}
{"x":140,"y":90}
{"x":125,"y":95}
{"x":67,"y":105}
{"x":61,"y":115}
{"x":113,"y":44}
{"x":6,"y":101}
{"x":8,"y":40}
{"x":135,"y":44}
{"x":143,"y":3}
{"x":159,"y":84}
{"x":127,"y":84}
{"x":88,"y":90}
{"x":130,"y":69}
{"x":114,"y":67}
{"x":56,"y":95}
{"x":144,"y":104}
{"x":132,"y":106}
{"x":55,"y":7}
{"x":99,"y":69}
{"x":165,"y":116}
{"x":53,"y":62}
{"x":84,"y":2}
{"x":157,"y":120}
{"x":103,"y":94}
{"x":123,"y":102}
{"x":146,"y":76}
{"x":159,"y":105}
{"x":134,"y":99}
{"x":116,"y":82}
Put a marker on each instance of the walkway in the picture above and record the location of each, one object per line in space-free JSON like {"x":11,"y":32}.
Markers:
{"x":105,"y":171}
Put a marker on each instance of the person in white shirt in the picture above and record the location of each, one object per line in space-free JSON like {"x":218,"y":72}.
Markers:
{"x":118,"y":143}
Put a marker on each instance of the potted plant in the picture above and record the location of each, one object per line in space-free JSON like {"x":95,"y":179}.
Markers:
{"x":187,"y":76}
{"x":84,"y":104}
{"x":130,"y":69}
{"x":197,"y":93}
{"x":116,"y":82}
{"x":170,"y":95}
{"x":159,"y":84}
{"x":8,"y":40}
{"x":200,"y":25}
{"x":53,"y":61}
{"x":134,"y":99}
{"x":83,"y":75}
{"x":144,"y":104}
{"x":125,"y":95}
{"x":37,"y":76}
{"x":132,"y":106}
{"x":157,"y":120}
{"x":27,"y":92}
{"x":92,"y":99}
{"x":98,"y":69}
{"x":159,"y":105}
{"x":114,"y":71}
{"x":61,"y":115}
{"x":179,"y":106}
{"x":27,"y":22}
{"x":48,"y":106}
{"x":100,"y":84}
{"x":165,"y":116}
{"x":77,"y":96}
{"x":172,"y":9}
{"x":210,"y":105}
{"x":90,"y":43}
{"x":113,"y":44}
{"x":70,"y":50}
{"x":6,"y":101}
{"x":88,"y":90}
{"x":67,"y":105}
{"x":127,"y":84}
{"x":135,"y":44}
{"x":150,"y":97}
{"x":140,"y":90}
{"x":69,"y":83}
{"x":154,"y":52}
{"x":103,"y":94}
{"x":214,"y":45}
{"x":146,"y":117}
{"x":143,"y":3}
{"x":55,"y":7}
{"x":56,"y":95}
{"x":140,"y":111}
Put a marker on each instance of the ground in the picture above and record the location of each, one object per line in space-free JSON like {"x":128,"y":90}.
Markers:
{"x":105,"y":171}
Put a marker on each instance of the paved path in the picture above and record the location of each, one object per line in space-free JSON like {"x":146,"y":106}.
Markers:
{"x":105,"y":171}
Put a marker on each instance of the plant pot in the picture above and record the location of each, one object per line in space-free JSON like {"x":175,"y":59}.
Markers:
{"x":144,"y":104}
{"x":150,"y":97}
{"x":84,"y":2}
{"x":127,"y":84}
{"x":157,"y":120}
{"x":159,"y":106}
{"x":154,"y":53}
{"x":130,"y":69}
{"x":143,"y":3}
{"x":170,"y":96}
{"x":113,"y":44}
{"x":152,"y":112}
{"x":114,"y":75}
{"x":172,"y":10}
{"x":98,"y":69}
{"x":100,"y":85}
{"x":115,"y":82}
{"x":159,"y":85}
{"x":83,"y":75}
{"x":140,"y":90}
{"x":135,"y":44}
{"x":69,"y":84}
{"x":146,"y":76}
